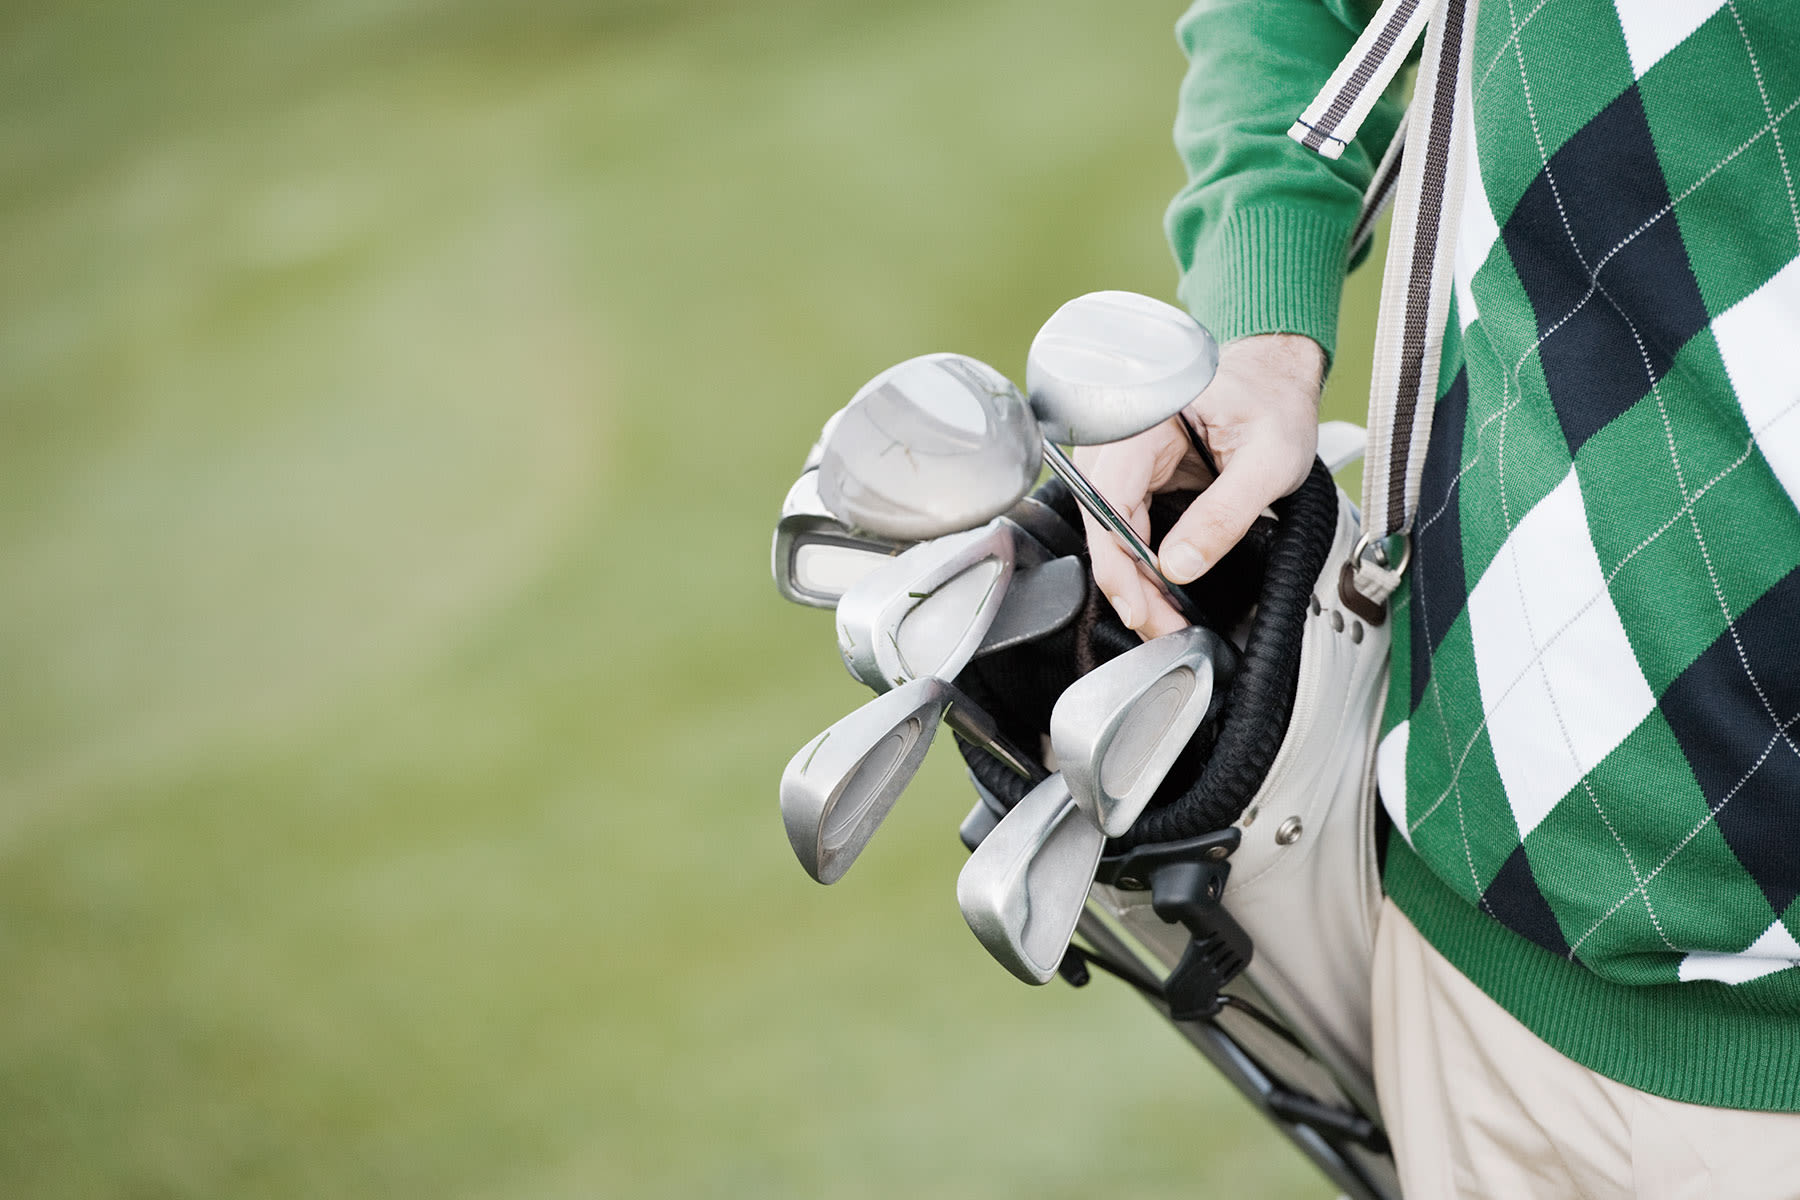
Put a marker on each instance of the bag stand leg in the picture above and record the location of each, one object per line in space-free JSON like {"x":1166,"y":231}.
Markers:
{"x":1362,"y":1172}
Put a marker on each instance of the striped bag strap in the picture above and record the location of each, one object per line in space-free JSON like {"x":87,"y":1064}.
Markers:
{"x":1417,"y":281}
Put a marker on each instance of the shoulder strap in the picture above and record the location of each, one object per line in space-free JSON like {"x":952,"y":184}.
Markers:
{"x":1416,"y":284}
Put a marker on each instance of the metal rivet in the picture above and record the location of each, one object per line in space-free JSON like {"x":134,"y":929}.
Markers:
{"x":1315,"y":605}
{"x":1217,"y":853}
{"x":1356,"y":632}
{"x":1337,"y":621}
{"x":1290,"y":832}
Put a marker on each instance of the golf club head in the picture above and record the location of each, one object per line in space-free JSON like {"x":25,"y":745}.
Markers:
{"x":1040,"y":600}
{"x":1118,"y":729}
{"x":838,"y":789}
{"x":815,"y":558}
{"x":934,"y":445}
{"x":1109,"y":365}
{"x":925,"y":611}
{"x":1023,"y":888}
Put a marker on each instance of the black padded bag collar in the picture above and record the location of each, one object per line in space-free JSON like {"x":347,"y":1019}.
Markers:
{"x":1268,"y":577}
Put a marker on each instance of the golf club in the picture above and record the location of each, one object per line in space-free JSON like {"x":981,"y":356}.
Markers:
{"x":815,"y":557}
{"x":1118,"y":729}
{"x":1107,"y":366}
{"x":943,"y":442}
{"x":1023,"y":889}
{"x":839,"y":787}
{"x":925,"y":611}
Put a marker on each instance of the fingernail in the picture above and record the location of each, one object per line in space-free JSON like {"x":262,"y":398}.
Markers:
{"x":1126,"y":613}
{"x":1181,"y":563}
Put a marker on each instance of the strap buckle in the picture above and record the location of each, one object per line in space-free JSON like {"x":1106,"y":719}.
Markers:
{"x":1371,"y":574}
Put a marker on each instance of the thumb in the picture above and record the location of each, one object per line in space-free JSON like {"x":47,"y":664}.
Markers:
{"x":1219,"y":517}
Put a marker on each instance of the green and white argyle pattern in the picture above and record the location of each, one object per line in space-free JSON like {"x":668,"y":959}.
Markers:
{"x":1593,"y":734}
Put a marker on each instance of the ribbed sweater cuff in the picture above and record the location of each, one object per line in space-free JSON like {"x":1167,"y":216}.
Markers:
{"x":1269,"y":270}
{"x":1701,"y":1042}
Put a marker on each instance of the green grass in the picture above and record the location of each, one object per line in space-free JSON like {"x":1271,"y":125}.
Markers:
{"x":397,"y":399}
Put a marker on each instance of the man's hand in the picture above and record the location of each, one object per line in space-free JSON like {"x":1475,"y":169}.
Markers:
{"x":1260,"y":418}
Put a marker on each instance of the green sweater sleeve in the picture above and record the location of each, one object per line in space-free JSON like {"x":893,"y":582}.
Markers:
{"x":1261,"y":232}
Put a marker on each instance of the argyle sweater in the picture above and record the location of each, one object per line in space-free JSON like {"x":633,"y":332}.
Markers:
{"x":1591,"y":751}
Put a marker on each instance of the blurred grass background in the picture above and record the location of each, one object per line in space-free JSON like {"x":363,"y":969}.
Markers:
{"x":396,"y":397}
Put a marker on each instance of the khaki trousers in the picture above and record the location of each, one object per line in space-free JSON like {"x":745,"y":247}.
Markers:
{"x":1477,"y":1106}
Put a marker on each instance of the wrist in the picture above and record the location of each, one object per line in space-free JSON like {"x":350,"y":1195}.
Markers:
{"x":1288,"y":365}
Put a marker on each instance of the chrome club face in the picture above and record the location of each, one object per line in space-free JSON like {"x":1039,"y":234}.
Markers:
{"x":934,"y":445}
{"x":1023,"y":888}
{"x":1119,"y":728}
{"x":925,"y":611}
{"x":815,"y":557}
{"x":1109,"y":365}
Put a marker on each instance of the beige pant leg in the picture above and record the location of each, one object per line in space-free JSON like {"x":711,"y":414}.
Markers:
{"x":1478,"y":1106}
{"x":1690,"y":1152}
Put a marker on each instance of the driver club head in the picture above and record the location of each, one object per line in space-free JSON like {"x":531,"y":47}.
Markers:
{"x":815,"y":557}
{"x":840,"y":786}
{"x":1109,"y":365}
{"x":1024,"y":886}
{"x":1118,"y":729}
{"x":934,"y":445}
{"x":925,"y":611}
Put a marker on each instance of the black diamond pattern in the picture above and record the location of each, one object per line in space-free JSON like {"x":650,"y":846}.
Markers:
{"x":1513,"y":897}
{"x":1439,"y":586}
{"x":1725,"y":732}
{"x":1603,"y":186}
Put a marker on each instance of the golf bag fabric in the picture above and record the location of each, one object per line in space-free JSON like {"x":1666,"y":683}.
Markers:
{"x":1304,"y":881}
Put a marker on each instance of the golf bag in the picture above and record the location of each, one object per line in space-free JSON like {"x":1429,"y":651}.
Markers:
{"x":1242,"y":903}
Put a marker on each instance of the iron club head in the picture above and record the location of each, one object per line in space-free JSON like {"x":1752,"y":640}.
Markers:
{"x":1119,"y":728}
{"x":838,"y":789}
{"x":1109,"y":365}
{"x":1023,"y":888}
{"x":926,"y":611}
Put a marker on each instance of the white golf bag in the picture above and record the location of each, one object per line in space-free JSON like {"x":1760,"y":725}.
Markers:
{"x":1289,"y":924}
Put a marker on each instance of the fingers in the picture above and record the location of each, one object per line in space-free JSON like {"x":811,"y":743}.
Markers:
{"x":1114,"y":568}
{"x":1126,"y":473}
{"x":1255,"y":477}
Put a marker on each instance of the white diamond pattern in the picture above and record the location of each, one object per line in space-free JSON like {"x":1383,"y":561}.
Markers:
{"x":1756,"y":340}
{"x":1478,"y":230}
{"x":1390,"y":776}
{"x":1534,"y":676}
{"x":1654,"y":27}
{"x":1774,"y":951}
